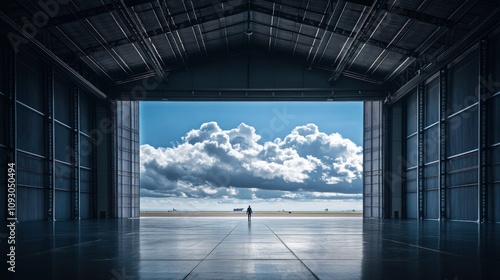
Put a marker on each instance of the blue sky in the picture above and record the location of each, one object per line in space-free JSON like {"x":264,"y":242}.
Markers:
{"x":274,"y":155}
{"x":166,"y":122}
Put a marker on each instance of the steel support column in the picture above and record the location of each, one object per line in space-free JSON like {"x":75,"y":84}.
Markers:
{"x":76,"y":152}
{"x":404,"y":146}
{"x":420,"y":164}
{"x":385,"y":162}
{"x":93,"y":159}
{"x":131,"y":166}
{"x":114,"y":168}
{"x":483,"y":117}
{"x":442,"y":143}
{"x":51,"y":191}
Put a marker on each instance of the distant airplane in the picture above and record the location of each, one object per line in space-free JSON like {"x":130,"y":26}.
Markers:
{"x":238,"y":209}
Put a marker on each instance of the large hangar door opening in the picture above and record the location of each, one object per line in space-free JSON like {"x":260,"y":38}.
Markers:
{"x":217,"y":156}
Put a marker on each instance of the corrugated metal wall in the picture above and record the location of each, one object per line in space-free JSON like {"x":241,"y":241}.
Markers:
{"x":372,"y":155}
{"x":32,"y":151}
{"x":53,"y":148}
{"x":422,"y":186}
{"x":493,"y":87}
{"x":3,"y":135}
{"x":127,"y":157}
{"x":411,"y":185}
{"x":87,"y":149}
{"x":59,"y":132}
{"x":431,"y":150}
{"x":63,"y":146}
{"x":451,"y":141}
{"x":462,"y":140}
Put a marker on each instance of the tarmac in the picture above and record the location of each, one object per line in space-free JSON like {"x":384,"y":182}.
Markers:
{"x":265,"y":248}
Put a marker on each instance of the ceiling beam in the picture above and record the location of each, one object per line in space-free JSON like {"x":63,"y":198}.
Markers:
{"x":451,"y":53}
{"x":87,"y":13}
{"x":359,"y":38}
{"x":145,"y":45}
{"x":21,"y":36}
{"x":419,"y":16}
{"x":367,"y":3}
{"x":407,"y":13}
{"x":243,"y":9}
{"x":257,"y":94}
{"x":106,"y":8}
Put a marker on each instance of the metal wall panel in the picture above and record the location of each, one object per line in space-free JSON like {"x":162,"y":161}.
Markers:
{"x":29,"y":83}
{"x":85,"y":205}
{"x":431,"y":114}
{"x":86,"y":148}
{"x":494,"y":185}
{"x":463,"y":82}
{"x":412,"y":151}
{"x":494,"y":120}
{"x":45,"y":110}
{"x":31,"y":170}
{"x":493,"y":190}
{"x":87,"y":144}
{"x":63,"y":143}
{"x":463,"y":140}
{"x":63,"y":205}
{"x":410,"y":188}
{"x":463,"y":132}
{"x":85,"y":180}
{"x":3,"y":120}
{"x":85,"y":115}
{"x":462,"y":170}
{"x":462,"y":203}
{"x":372,"y":160}
{"x":31,"y":204}
{"x":431,"y":204}
{"x":31,"y":135}
{"x":431,"y":150}
{"x":127,"y":156}
{"x":64,"y":175}
{"x":62,"y":102}
{"x":493,"y":202}
{"x":3,"y":182}
{"x":411,"y":205}
{"x":431,"y":144}
{"x":431,"y":176}
{"x":411,"y":113}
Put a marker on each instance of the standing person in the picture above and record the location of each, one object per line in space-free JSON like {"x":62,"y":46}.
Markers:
{"x":249,"y":213}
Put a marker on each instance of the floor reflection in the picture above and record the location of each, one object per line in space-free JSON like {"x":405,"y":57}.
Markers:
{"x":265,"y":248}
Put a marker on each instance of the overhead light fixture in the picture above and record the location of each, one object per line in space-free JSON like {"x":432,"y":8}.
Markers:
{"x":329,"y":99}
{"x":248,"y":31}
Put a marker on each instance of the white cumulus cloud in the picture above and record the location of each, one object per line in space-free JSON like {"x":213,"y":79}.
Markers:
{"x":231,"y":164}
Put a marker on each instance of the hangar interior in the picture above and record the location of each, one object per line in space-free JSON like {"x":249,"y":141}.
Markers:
{"x":428,"y":72}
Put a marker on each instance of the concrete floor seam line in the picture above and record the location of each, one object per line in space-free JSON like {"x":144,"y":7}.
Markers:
{"x":423,"y":248}
{"x":293,"y":253}
{"x":187,"y":275}
{"x":60,"y":248}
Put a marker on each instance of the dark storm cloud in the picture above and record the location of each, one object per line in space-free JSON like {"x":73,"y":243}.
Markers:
{"x":216,"y":163}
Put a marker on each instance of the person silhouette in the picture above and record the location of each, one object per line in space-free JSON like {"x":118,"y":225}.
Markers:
{"x":249,"y":213}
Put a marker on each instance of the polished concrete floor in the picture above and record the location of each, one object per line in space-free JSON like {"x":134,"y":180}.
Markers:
{"x":266,"y":248}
